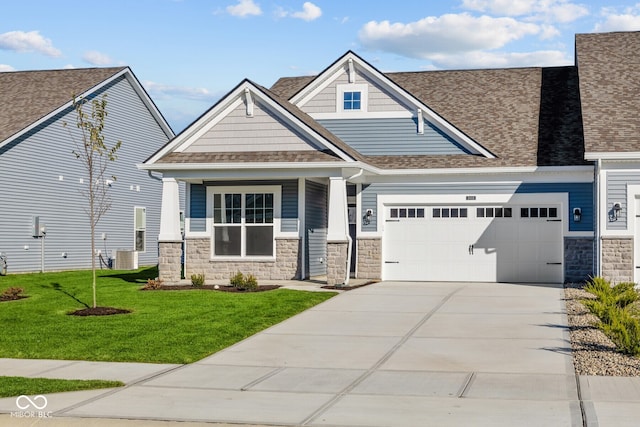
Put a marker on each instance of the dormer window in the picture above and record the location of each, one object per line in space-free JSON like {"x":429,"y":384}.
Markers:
{"x":352,"y":100}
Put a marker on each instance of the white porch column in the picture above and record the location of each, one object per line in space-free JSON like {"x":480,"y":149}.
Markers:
{"x":170,"y":213}
{"x":338,"y":225}
{"x":338,"y":240}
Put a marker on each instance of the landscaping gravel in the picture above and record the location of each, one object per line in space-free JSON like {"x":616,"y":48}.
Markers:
{"x":593,"y":351}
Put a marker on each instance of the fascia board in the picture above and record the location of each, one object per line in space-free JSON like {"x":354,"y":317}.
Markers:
{"x":371,"y":72}
{"x":64,"y":107}
{"x":618,"y":155}
{"x":231,"y":101}
{"x":146,"y":99}
{"x":201,"y":125}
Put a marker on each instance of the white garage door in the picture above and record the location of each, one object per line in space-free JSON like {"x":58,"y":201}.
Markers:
{"x":473,"y":243}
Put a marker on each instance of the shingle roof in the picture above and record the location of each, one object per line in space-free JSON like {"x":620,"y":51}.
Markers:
{"x":28,"y":96}
{"x":525,"y":116}
{"x":250,"y":157}
{"x":610,"y":90}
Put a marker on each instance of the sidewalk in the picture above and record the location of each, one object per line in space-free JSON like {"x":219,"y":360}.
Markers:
{"x":389,"y":354}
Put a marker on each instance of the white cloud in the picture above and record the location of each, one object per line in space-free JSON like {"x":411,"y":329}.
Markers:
{"x":162,"y":91}
{"x":32,"y":41}
{"x":5,"y":67}
{"x":309,"y":12}
{"x":446,"y":34}
{"x":244,"y":8}
{"x":479,"y":59}
{"x":547,"y":10}
{"x":94,"y":57}
{"x":627,"y":20}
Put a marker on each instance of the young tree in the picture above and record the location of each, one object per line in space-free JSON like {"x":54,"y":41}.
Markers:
{"x":94,"y":153}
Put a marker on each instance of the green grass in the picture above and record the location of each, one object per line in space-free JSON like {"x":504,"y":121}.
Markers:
{"x":164,"y":326}
{"x":16,"y":386}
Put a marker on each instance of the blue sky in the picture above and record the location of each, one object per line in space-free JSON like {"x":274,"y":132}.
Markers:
{"x":188,"y":53}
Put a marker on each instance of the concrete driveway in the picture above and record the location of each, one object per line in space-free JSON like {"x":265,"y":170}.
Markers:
{"x":388,"y":354}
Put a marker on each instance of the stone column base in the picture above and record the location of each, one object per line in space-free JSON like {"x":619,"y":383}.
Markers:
{"x":369,"y":258}
{"x":169,"y":262}
{"x":337,"y":262}
{"x":617,"y":259}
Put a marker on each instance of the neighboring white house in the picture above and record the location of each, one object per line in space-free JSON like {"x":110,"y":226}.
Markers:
{"x":43,"y":223}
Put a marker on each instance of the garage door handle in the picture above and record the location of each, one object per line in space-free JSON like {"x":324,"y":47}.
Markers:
{"x":392,"y":262}
{"x":392,"y":220}
{"x":554,"y":220}
{"x":554,"y":263}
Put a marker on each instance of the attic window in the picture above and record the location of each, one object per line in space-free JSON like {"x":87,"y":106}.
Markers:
{"x":352,"y":100}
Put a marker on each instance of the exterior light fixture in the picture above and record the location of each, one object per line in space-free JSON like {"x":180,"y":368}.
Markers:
{"x":367,"y":216}
{"x":617,"y":207}
{"x":577,"y":214}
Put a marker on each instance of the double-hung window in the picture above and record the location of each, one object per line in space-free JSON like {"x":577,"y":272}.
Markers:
{"x":243,"y":223}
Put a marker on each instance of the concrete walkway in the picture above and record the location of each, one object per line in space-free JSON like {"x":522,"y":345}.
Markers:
{"x":389,"y":354}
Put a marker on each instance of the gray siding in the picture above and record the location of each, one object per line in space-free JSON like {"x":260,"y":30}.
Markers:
{"x":397,"y":136}
{"x":30,"y":171}
{"x":379,"y":98}
{"x":316,"y":220}
{"x":289,"y":206}
{"x":580,"y":195}
{"x":617,"y":193}
{"x":262,"y":132}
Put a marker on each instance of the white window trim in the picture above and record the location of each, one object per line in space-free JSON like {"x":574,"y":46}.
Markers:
{"x":276,"y":190}
{"x":364,"y":97}
{"x":136,"y":229}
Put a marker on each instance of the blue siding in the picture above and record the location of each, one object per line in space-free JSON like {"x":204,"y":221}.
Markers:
{"x":316,"y":220}
{"x":617,"y":193}
{"x":580,"y":195}
{"x":198,"y":208}
{"x":289,"y":205}
{"x":394,"y":136}
{"x":29,"y":181}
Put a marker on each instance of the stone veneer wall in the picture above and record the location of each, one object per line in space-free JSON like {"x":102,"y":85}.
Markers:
{"x":578,"y":259}
{"x":617,"y":259}
{"x":336,"y":262}
{"x":169,"y":262}
{"x":369,"y":258}
{"x":285,"y":267}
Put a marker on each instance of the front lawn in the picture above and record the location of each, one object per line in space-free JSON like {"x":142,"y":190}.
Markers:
{"x":16,"y":386}
{"x":163,"y":327}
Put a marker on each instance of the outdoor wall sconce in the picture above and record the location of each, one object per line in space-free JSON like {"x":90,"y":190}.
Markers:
{"x":616,"y":210}
{"x":367,"y":216}
{"x":577,"y":214}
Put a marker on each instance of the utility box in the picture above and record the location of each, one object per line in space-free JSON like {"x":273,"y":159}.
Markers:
{"x":37,"y":229}
{"x":126,"y":260}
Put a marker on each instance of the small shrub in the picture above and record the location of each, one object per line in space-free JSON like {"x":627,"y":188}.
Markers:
{"x":153,"y":284}
{"x":197,"y":280}
{"x":240,"y":282}
{"x":12,"y":292}
{"x":624,"y":331}
{"x":237,"y":280}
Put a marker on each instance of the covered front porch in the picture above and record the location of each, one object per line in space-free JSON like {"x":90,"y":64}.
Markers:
{"x":275,"y":228}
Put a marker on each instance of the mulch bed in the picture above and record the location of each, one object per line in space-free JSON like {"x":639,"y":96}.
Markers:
{"x":261,"y":288}
{"x":99,"y":311}
{"x":4,"y":298}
